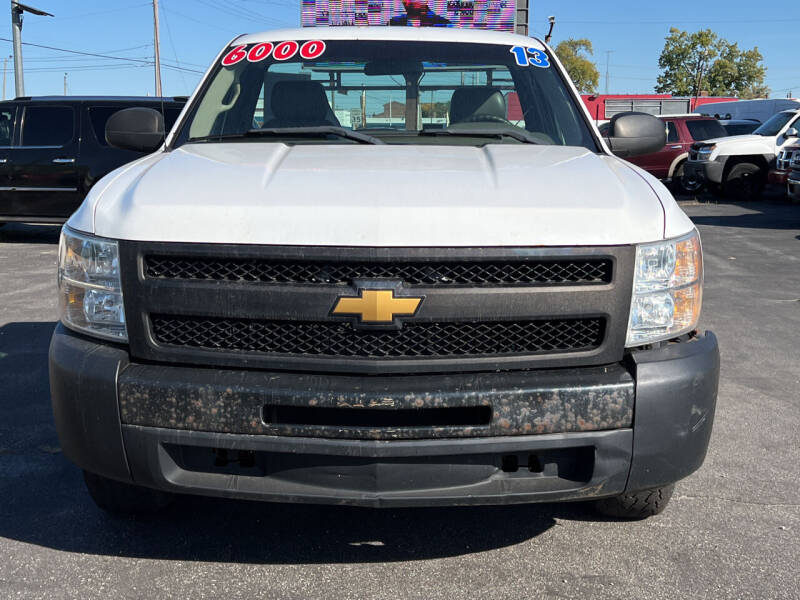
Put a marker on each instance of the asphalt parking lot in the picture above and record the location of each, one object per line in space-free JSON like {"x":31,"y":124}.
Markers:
{"x":731,"y":531}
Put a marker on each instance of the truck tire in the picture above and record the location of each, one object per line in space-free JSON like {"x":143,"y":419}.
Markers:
{"x":124,"y":498}
{"x":683,"y":185}
{"x":638,"y":505}
{"x":744,"y":182}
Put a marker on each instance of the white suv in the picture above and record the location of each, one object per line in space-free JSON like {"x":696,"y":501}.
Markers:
{"x":384,"y":267}
{"x":738,"y":165}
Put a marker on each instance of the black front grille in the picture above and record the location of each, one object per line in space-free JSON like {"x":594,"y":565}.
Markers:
{"x":467,"y":273}
{"x":420,"y":339}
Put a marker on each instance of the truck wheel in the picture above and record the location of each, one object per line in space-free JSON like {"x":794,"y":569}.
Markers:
{"x":123,"y":498}
{"x":745,"y":182}
{"x":638,"y":505}
{"x":684,"y":185}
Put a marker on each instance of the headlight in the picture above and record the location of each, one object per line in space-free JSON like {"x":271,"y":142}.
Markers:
{"x":90,"y":293}
{"x":667,"y":290}
{"x":704,"y":153}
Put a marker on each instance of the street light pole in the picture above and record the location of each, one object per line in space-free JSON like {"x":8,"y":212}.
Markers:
{"x":158,"y":48}
{"x":16,"y":26}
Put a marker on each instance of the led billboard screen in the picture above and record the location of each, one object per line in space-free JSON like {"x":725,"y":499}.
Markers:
{"x":467,"y":14}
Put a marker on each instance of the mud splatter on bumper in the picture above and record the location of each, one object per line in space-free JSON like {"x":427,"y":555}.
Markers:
{"x":522,"y":403}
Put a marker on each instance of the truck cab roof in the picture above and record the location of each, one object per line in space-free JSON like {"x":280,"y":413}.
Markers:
{"x":428,"y":34}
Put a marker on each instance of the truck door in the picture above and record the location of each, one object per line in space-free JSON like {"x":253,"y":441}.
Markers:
{"x":44,"y":174}
{"x":8,"y":120}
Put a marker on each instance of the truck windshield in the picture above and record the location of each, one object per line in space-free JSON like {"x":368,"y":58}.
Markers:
{"x":395,"y":92}
{"x":775,"y":123}
{"x":705,"y":129}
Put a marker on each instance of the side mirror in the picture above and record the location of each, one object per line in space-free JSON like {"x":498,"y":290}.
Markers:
{"x":791,"y":132}
{"x":140,"y":129}
{"x":635,"y":133}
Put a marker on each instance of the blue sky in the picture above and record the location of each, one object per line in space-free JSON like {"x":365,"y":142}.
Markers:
{"x":193,"y":31}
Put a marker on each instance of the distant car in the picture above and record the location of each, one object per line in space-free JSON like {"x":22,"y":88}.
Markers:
{"x":740,"y":126}
{"x":793,"y":180}
{"x":53,"y":150}
{"x":682,"y":131}
{"x":779,"y":174}
{"x":738,"y":166}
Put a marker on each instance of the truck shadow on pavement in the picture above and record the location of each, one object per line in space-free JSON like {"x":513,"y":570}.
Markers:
{"x":22,"y":233}
{"x":767,"y":215}
{"x":44,"y":501}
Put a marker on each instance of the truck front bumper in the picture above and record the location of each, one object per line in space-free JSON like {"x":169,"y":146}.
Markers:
{"x":554,"y":435}
{"x":704,"y":172}
{"x":777,"y":176}
{"x":793,"y":185}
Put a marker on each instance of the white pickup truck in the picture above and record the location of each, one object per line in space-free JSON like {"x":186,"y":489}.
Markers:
{"x":738,"y":166}
{"x":383,"y":267}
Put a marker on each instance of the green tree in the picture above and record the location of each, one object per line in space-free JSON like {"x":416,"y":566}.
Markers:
{"x":702,"y":61}
{"x":572,"y":54}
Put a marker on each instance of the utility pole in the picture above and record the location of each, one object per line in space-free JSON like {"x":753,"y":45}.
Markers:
{"x":158,"y":49}
{"x":65,"y":84}
{"x":5,"y":68}
{"x":608,"y":59}
{"x":16,"y":26}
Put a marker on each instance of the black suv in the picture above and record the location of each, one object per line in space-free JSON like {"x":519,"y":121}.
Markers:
{"x":53,"y":150}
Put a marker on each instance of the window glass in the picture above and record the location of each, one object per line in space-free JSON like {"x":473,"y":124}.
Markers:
{"x":775,"y":123}
{"x":388,"y":88}
{"x":740,"y":128}
{"x":705,"y":130}
{"x":170,"y":116}
{"x":99,"y":115}
{"x":7,"y":115}
{"x":48,"y":125}
{"x":672,"y":133}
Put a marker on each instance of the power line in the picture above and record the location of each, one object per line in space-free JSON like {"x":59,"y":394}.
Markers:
{"x":174,"y":51}
{"x":84,"y":68}
{"x":102,"y":12}
{"x":75,"y":51}
{"x":243,"y":13}
{"x":199,"y":22}
{"x":95,"y":54}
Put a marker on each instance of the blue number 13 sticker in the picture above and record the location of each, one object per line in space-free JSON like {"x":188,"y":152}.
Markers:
{"x":530,"y":56}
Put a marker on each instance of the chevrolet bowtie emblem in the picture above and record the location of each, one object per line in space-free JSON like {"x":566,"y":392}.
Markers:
{"x":376,"y":307}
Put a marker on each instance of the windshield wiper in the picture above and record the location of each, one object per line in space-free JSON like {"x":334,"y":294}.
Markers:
{"x":517,"y":134}
{"x":315,"y":132}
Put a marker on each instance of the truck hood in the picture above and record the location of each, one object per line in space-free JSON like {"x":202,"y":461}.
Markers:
{"x":365,"y":195}
{"x":743,"y":144}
